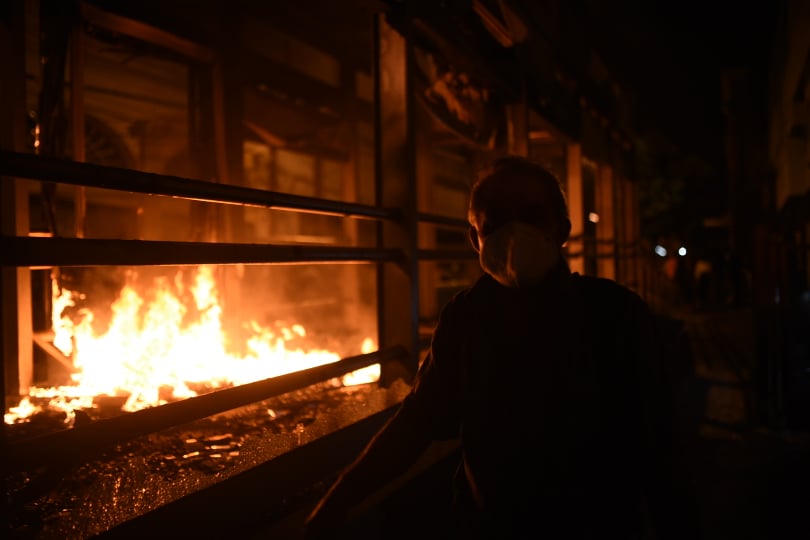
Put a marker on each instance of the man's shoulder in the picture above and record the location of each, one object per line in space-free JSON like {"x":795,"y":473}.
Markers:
{"x":468,"y":299}
{"x":481,"y":287}
{"x":607,"y":292}
{"x":596,"y":291}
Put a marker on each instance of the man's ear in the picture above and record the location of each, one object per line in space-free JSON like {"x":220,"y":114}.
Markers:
{"x":474,"y":239}
{"x":565,"y":231}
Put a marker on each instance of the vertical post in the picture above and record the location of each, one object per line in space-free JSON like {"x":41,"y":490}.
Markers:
{"x":220,"y":168}
{"x":227,"y":120}
{"x":606,"y":228}
{"x":206,"y":145}
{"x":397,"y":286}
{"x":15,"y":283}
{"x":620,"y":220}
{"x":425,"y":174}
{"x":77,"y":121}
{"x":634,"y":236}
{"x":627,"y":242}
{"x":576,"y":244}
{"x":351,"y":234}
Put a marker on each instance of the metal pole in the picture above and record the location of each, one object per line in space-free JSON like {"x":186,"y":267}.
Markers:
{"x":48,"y":252}
{"x":86,"y":174}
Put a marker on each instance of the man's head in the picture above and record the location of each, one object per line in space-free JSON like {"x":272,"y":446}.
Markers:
{"x":519,"y":220}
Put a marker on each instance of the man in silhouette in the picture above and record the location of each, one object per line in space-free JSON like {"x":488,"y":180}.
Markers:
{"x":551,"y":383}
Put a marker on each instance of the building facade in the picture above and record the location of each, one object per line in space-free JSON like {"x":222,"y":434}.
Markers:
{"x":783,"y":270}
{"x":316,"y":155}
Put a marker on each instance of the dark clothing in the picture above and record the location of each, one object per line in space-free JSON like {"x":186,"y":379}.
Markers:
{"x":560,"y":405}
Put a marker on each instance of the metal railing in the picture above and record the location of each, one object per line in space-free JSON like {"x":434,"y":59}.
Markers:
{"x":41,"y":251}
{"x":34,"y":252}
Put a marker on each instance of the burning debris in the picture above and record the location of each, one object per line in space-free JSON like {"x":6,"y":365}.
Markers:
{"x":162,"y":346}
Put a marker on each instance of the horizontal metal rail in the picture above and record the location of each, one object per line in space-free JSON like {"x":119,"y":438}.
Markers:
{"x":33,"y":167}
{"x":47,"y":252}
{"x":442,"y":220}
{"x":81,"y":443}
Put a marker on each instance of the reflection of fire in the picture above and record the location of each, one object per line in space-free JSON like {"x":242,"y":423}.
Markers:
{"x":151,"y":354}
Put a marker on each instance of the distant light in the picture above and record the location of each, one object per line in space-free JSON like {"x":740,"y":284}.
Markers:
{"x":593,"y":217}
{"x":661,"y":251}
{"x":682,"y":251}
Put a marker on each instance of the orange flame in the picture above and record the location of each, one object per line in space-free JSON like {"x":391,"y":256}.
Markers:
{"x":153,"y":356}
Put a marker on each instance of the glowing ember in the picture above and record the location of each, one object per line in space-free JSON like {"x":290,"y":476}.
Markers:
{"x":367,"y":374}
{"x":152,"y":353}
{"x":23,"y":410}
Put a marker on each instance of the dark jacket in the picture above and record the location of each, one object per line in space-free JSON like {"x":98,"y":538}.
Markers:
{"x":562,"y":408}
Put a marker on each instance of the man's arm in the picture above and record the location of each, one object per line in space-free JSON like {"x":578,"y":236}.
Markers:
{"x":390,"y":453}
{"x":426,"y":414}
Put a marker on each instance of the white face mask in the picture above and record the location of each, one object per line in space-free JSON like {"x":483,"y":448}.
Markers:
{"x":517,"y":254}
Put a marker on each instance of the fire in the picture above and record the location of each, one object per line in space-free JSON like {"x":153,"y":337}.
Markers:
{"x":167,"y":349}
{"x":23,"y":410}
{"x":367,"y":374}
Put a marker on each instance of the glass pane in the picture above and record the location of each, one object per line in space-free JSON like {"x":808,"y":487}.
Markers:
{"x":136,"y":108}
{"x":307,"y":96}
